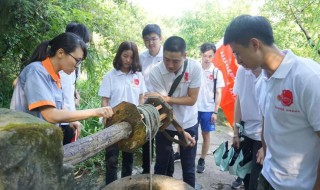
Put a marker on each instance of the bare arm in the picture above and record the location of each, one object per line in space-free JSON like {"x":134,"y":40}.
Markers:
{"x":264,"y":146}
{"x":188,"y":100}
{"x":218,"y":99}
{"x":53,"y":115}
{"x":317,"y":184}
{"x":105,"y":102}
{"x":141,"y":99}
{"x":237,"y":118}
{"x":216,"y":105}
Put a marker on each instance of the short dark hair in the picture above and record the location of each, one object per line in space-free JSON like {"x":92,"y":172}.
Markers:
{"x":117,"y":62}
{"x":175,"y":44}
{"x":207,"y":46}
{"x":80,"y":30}
{"x":151,"y":28}
{"x":245,"y":27}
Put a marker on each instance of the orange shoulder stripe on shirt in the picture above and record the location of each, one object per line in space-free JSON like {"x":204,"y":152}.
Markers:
{"x":40,"y":104}
{"x":49,"y":67}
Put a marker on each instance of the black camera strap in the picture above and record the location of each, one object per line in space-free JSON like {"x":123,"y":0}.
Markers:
{"x":178,"y":79}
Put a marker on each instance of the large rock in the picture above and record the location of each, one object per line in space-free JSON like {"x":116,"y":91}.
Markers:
{"x":31,"y":154}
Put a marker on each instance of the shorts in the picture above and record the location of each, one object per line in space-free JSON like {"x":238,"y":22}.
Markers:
{"x":204,"y":119}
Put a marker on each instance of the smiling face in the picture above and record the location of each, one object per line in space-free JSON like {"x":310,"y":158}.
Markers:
{"x":173,"y":60}
{"x":126,"y":60}
{"x":71,"y":60}
{"x":249,"y":57}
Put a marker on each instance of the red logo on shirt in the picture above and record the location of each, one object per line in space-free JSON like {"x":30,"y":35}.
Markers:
{"x":211,"y":76}
{"x":286,"y":98}
{"x":136,"y":82}
{"x":186,"y":76}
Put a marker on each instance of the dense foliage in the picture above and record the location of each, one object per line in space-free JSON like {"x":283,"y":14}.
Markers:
{"x":24,"y":24}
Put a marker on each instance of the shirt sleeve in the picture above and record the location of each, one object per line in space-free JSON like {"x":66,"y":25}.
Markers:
{"x":236,"y":85}
{"x":106,"y":86}
{"x":155,"y":80}
{"x":309,"y":100}
{"x":38,"y":90}
{"x":143,"y":88}
{"x":196,"y":76}
{"x":68,"y":89}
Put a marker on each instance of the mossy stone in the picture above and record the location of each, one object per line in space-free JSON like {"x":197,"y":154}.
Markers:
{"x":33,"y":153}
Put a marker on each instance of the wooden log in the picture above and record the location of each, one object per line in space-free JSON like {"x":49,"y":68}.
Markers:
{"x":89,"y":146}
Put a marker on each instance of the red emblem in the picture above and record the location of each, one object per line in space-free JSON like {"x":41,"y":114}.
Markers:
{"x":286,"y":98}
{"x":186,"y":76}
{"x":211,"y":76}
{"x":136,"y":82}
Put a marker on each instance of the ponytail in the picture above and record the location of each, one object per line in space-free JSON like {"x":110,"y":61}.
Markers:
{"x":40,"y":53}
{"x":66,"y":41}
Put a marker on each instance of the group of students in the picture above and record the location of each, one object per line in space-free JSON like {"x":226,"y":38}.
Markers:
{"x":46,"y":89}
{"x":276,"y":99}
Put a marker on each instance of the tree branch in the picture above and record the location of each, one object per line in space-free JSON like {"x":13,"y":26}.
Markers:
{"x":309,"y":39}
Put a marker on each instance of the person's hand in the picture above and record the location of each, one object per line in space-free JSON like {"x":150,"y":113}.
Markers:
{"x":191,"y":141}
{"x":148,"y":94}
{"x":214,"y":118}
{"x":105,"y":112}
{"x":236,"y":141}
{"x":76,"y":125}
{"x":165,"y":98}
{"x":260,"y":156}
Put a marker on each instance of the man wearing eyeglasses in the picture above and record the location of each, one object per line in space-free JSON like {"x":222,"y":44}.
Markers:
{"x":152,"y":38}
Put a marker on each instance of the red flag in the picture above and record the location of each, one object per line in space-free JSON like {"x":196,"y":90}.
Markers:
{"x":225,"y":61}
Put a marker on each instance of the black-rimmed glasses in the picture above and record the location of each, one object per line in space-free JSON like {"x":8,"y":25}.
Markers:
{"x":78,"y":61}
{"x":150,"y":40}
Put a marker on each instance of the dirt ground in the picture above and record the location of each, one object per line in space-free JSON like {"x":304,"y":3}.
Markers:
{"x":212,"y":178}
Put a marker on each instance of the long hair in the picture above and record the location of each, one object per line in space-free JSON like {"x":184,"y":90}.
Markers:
{"x":69,"y":42}
{"x":117,"y":62}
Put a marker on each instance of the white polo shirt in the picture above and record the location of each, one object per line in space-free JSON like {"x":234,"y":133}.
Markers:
{"x":289,"y":101}
{"x":68,"y":88}
{"x":205,"y":100}
{"x":120,"y":86}
{"x":161,"y":80}
{"x":244,"y":88}
{"x":147,"y":62}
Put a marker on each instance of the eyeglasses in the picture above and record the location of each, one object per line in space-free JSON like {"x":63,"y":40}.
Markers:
{"x":150,"y":40}
{"x":78,"y":61}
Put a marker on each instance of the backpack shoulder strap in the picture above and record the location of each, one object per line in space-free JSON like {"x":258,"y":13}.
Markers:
{"x":215,"y":76}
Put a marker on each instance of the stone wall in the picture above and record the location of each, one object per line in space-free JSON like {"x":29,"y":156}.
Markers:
{"x":31,"y":154}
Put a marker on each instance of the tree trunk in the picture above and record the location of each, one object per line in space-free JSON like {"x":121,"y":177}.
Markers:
{"x":89,"y":146}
